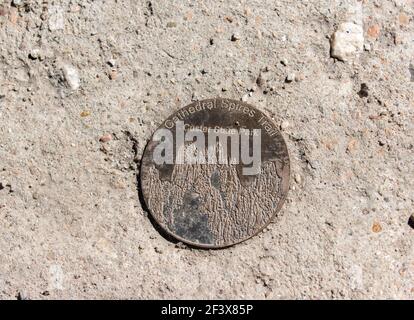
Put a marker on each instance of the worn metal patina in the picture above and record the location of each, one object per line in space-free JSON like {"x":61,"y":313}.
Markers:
{"x":215,"y":205}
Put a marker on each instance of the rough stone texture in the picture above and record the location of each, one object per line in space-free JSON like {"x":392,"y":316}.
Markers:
{"x":347,"y":41}
{"x":71,"y":223}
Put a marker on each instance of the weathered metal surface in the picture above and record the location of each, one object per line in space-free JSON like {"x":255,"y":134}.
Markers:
{"x":216,"y":205}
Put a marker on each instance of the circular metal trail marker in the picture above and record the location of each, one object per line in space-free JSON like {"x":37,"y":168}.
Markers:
{"x":215,"y":173}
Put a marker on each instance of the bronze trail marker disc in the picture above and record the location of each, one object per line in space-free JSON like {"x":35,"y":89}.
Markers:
{"x":215,"y":173}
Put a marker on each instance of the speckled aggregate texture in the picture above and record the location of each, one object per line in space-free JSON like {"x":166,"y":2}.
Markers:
{"x":83,"y":84}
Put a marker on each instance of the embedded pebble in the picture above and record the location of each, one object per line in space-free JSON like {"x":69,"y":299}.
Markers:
{"x":352,"y":145}
{"x":235,"y":37}
{"x":347,"y":41}
{"x":17,"y":3}
{"x":398,"y":39}
{"x":290,"y":77}
{"x":34,"y":54}
{"x":105,"y":138}
{"x":374,"y":31}
{"x":298,"y":178}
{"x":112,"y":62}
{"x":376,"y":227}
{"x":403,"y":19}
{"x":363,"y":93}
{"x":285,"y":124}
{"x":56,"y":18}
{"x":158,"y":250}
{"x":71,"y":76}
{"x":171,"y":24}
{"x":260,"y":81}
{"x":113,"y":74}
{"x":85,"y":113}
{"x":284,"y":61}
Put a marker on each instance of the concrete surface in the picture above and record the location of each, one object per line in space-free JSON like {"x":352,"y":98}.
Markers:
{"x":83,"y":84}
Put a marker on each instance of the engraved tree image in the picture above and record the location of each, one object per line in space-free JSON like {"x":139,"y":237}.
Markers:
{"x":208,"y":203}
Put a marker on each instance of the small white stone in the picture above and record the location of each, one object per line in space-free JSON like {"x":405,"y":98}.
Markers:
{"x":367,"y":47}
{"x":56,"y":18}
{"x":235,"y":37}
{"x":298,"y":178}
{"x":290,"y":77}
{"x":245,"y":97}
{"x":71,"y":76}
{"x":112,"y":62}
{"x":56,"y":278}
{"x":347,"y":41}
{"x":284,"y":61}
{"x":17,"y":3}
{"x":35,"y":54}
{"x":285,"y":124}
